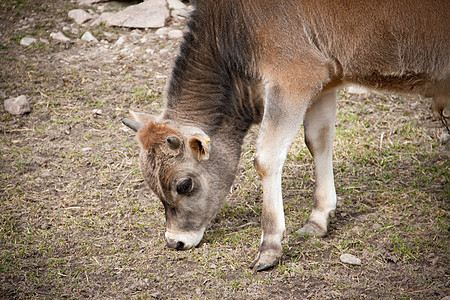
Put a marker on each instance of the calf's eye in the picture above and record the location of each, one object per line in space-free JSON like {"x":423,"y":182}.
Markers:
{"x":185,"y":186}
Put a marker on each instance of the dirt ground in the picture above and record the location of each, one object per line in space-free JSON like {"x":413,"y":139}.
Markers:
{"x":77,"y":221}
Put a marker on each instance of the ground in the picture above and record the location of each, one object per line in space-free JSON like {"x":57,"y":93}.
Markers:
{"x":77,"y":220}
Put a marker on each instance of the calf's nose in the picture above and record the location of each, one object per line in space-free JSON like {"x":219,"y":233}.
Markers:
{"x":180,"y":246}
{"x":175,"y":244}
{"x":183,"y":240}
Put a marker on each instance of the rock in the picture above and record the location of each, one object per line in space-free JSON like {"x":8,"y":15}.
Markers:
{"x":97,"y":111}
{"x":350,"y":259}
{"x":88,"y":37}
{"x":445,"y":137}
{"x":176,"y":4}
{"x":27,"y":41}
{"x":79,"y":16}
{"x":120,"y":40}
{"x":162,"y":32}
{"x":136,"y":32}
{"x":44,"y":41}
{"x":175,"y":34}
{"x":148,"y":14}
{"x":18,"y":105}
{"x":75,"y":30}
{"x":59,"y":36}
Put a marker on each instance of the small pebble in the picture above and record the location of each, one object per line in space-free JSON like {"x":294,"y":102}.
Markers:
{"x":79,"y":16}
{"x":27,"y":41}
{"x":350,"y":259}
{"x":175,"y":34}
{"x":18,"y":105}
{"x":445,"y":137}
{"x":162,"y":32}
{"x":121,"y":40}
{"x":59,"y":36}
{"x":88,"y":37}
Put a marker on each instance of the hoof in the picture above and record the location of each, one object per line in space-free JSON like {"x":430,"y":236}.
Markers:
{"x":312,"y":229}
{"x":266,"y":260}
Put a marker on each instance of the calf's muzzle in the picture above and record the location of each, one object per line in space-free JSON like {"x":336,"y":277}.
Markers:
{"x":183,"y":240}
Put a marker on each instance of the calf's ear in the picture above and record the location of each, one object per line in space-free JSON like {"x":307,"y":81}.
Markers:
{"x":140,"y":119}
{"x":199,"y":144}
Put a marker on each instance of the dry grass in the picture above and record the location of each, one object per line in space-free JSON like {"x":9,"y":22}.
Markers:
{"x":77,"y":221}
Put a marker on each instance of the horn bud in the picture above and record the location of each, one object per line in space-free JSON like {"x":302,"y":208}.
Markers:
{"x":135,"y":125}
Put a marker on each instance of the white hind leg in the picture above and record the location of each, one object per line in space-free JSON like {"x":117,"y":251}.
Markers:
{"x":319,"y":132}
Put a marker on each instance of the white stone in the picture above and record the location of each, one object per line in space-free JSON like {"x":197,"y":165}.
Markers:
{"x":136,"y":32}
{"x":79,"y":16}
{"x":88,"y":37}
{"x":27,"y":41}
{"x":176,"y":4}
{"x":59,"y":36}
{"x":175,"y":34}
{"x":350,"y":259}
{"x":162,"y":32}
{"x":120,"y":40}
{"x":18,"y":105}
{"x":445,"y":138}
{"x":148,"y":14}
{"x":75,"y":30}
{"x":44,"y":41}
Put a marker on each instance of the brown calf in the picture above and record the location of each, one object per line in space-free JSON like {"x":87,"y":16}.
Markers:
{"x":243,"y":61}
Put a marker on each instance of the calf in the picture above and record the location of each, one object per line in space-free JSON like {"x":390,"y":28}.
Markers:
{"x":279,"y":62}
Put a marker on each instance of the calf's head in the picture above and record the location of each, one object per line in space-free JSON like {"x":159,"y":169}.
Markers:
{"x":184,"y":169}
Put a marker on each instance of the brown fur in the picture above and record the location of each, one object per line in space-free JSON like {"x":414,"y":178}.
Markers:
{"x":154,"y":134}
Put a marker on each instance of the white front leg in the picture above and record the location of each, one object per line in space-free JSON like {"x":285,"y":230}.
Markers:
{"x":279,"y":128}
